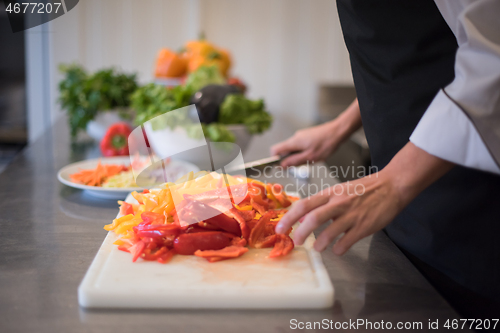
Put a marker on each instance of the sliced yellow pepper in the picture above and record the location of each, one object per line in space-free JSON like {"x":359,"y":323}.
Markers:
{"x":137,"y":197}
{"x":118,"y":221}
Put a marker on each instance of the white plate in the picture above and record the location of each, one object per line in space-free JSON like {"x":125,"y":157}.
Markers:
{"x":180,"y":167}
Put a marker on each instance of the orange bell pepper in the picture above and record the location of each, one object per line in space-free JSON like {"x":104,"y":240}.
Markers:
{"x":170,"y":64}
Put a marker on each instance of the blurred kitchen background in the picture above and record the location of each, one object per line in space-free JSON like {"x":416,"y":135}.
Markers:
{"x":289,"y":52}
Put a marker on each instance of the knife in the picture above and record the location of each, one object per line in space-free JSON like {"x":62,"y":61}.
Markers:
{"x":259,"y":163}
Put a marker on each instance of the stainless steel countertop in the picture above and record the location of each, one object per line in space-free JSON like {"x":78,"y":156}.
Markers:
{"x":49,"y":234}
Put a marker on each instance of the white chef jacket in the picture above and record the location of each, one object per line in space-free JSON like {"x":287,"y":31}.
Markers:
{"x":445,"y":130}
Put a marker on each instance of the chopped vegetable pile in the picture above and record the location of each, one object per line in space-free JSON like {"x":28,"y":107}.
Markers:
{"x":155,"y":229}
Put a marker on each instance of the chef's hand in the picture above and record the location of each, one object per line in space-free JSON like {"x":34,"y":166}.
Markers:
{"x":364,"y":206}
{"x":318,"y":142}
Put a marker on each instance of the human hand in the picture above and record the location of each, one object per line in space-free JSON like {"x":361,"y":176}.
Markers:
{"x":318,"y":142}
{"x":310,"y":144}
{"x":364,"y":206}
{"x":358,"y":209}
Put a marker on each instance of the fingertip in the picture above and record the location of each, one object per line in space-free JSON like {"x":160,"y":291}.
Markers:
{"x":318,"y":246}
{"x":281,"y":227}
{"x":287,"y":162}
{"x":297,"y":241}
{"x":278,"y":148}
{"x":338,"y":250}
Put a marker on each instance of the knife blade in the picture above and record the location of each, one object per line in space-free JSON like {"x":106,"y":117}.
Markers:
{"x":258,"y":163}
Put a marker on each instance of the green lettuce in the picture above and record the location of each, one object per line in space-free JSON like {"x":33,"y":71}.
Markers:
{"x":237,"y":109}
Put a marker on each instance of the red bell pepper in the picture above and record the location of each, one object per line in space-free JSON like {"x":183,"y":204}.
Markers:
{"x":194,"y":228}
{"x":126,"y":208}
{"x":166,"y":257}
{"x":152,"y":218}
{"x":115,"y":141}
{"x":156,"y":230}
{"x":188,"y":244}
{"x":196,"y":211}
{"x":268,"y":241}
{"x":280,"y":195}
{"x":137,"y":249}
{"x":152,"y":256}
{"x":238,"y":242}
{"x":124,"y":248}
{"x":258,"y":232}
{"x":282,"y":247}
{"x":234,"y":81}
{"x":225,"y":253}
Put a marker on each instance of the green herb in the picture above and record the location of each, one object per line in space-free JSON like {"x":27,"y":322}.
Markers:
{"x":204,"y":76}
{"x":83,"y":95}
{"x":218,"y":133}
{"x":153,"y":100}
{"x":237,"y":109}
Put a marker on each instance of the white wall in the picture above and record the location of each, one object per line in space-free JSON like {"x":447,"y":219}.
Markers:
{"x":283,"y":49}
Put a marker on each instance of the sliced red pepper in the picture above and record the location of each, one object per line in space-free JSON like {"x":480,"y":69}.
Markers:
{"x":196,"y":210}
{"x":145,"y":191}
{"x":261,"y":190}
{"x":152,"y":218}
{"x":258,"y":232}
{"x":124,"y":248}
{"x":226,"y":207}
{"x":269,"y":241}
{"x":150,"y":256}
{"x":194,"y":228}
{"x":126,"y":208}
{"x":225,"y":253}
{"x":226,"y":223}
{"x":170,"y":228}
{"x":150,"y":244}
{"x":280,"y":195}
{"x":137,"y":249}
{"x":115,"y":141}
{"x":156,"y":230}
{"x":208,"y":226}
{"x":238,"y":241}
{"x":166,"y":257}
{"x":188,"y":244}
{"x":282,"y":247}
{"x":247,"y":215}
{"x":258,"y":207}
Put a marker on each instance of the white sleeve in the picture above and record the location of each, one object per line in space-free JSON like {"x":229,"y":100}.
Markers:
{"x":446,"y":129}
{"x":446,"y":132}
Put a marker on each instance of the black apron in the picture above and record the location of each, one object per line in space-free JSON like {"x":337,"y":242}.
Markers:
{"x":402,"y":53}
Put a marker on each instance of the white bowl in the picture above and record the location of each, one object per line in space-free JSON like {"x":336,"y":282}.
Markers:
{"x":243,"y":136}
{"x":172,"y":143}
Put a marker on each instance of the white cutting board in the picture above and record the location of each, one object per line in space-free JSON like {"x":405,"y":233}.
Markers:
{"x":253,"y":281}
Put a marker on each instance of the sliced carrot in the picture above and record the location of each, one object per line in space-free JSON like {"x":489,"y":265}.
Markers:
{"x":95,"y":177}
